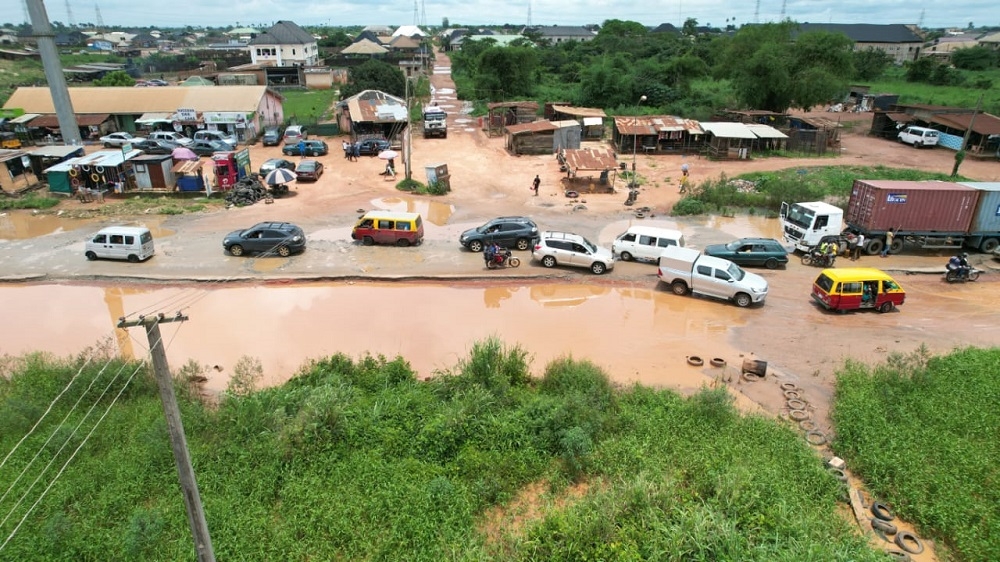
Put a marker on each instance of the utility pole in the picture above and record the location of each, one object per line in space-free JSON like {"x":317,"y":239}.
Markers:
{"x":960,"y":155}
{"x":42,"y":31}
{"x":189,"y":487}
{"x":409,"y":136}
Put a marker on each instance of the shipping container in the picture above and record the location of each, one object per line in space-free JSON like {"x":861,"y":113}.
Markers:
{"x":987,"y":218}
{"x":911,"y":207}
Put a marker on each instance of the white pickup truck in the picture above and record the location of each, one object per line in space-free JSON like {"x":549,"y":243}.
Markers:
{"x":688,"y":271}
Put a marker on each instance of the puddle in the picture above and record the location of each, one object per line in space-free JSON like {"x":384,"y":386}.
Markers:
{"x":636,"y":335}
{"x":22,"y":225}
{"x":267,"y":265}
{"x":434,"y":212}
{"x":745,"y":226}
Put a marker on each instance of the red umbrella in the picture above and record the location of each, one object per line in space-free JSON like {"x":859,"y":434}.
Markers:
{"x":183,"y":153}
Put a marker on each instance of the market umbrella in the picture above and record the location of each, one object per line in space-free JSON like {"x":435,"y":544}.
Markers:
{"x":182,"y":153}
{"x":388,"y":154}
{"x":279,"y":176}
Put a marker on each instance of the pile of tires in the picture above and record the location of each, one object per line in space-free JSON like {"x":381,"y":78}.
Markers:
{"x":247,"y":191}
{"x":884,"y":528}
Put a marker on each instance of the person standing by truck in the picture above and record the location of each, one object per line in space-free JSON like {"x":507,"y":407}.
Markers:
{"x":889,"y":237}
{"x":859,"y":244}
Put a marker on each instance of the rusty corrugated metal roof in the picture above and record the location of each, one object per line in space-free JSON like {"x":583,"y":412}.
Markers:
{"x":522,"y":104}
{"x":590,"y":158}
{"x":984,"y":123}
{"x":52,"y":121}
{"x":118,"y":100}
{"x":656,"y":124}
{"x":533,"y":127}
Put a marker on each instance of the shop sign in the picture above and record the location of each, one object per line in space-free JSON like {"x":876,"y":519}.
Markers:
{"x":187,"y":115}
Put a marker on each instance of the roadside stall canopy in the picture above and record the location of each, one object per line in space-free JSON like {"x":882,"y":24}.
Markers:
{"x":729,"y":130}
{"x":51,"y":121}
{"x":24,"y":119}
{"x":154,"y":118}
{"x":766,"y":131}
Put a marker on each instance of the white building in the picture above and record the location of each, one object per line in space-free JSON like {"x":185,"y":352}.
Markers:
{"x":284,"y":44}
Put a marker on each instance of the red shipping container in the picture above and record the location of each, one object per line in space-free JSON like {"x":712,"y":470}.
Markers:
{"x":911,"y":206}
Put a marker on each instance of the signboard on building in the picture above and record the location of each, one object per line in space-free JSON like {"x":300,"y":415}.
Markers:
{"x":187,"y":115}
{"x":224,"y":117}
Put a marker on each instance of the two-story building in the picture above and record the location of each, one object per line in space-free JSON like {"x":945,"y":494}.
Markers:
{"x":284,"y":44}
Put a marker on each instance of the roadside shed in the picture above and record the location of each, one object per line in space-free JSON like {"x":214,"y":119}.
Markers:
{"x":531,"y":138}
{"x":728,"y":141}
{"x":189,"y":176}
{"x":15,"y":171}
{"x":502,"y":114}
{"x":600,"y":161}
{"x":154,"y":171}
{"x":656,"y":134}
{"x":43,"y":157}
{"x":591,"y":119}
{"x":101,"y":170}
{"x":567,"y":135}
{"x":813,"y":134}
{"x":768,"y":138}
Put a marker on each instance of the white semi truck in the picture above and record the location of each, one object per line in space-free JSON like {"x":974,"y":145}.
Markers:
{"x":435,"y":122}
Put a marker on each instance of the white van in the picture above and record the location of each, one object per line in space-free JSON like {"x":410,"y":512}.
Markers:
{"x":132,"y":243}
{"x":645,"y":242}
{"x":918,"y":136}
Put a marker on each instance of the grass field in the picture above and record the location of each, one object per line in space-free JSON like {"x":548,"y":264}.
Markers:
{"x":308,"y":106}
{"x":894,"y":82}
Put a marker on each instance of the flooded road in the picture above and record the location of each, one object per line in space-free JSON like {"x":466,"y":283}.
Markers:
{"x":635,"y":334}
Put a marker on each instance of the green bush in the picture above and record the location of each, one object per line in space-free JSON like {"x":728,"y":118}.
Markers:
{"x":30,"y":201}
{"x":689,"y":206}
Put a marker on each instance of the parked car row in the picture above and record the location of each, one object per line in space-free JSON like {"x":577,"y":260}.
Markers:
{"x":121,"y":138}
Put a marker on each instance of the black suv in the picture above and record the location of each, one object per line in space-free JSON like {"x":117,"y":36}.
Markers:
{"x":509,"y":232}
{"x":371,"y":147}
{"x":267,"y":238}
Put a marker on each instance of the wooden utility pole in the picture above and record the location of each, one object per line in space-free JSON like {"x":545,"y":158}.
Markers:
{"x":189,"y":487}
{"x":960,"y":155}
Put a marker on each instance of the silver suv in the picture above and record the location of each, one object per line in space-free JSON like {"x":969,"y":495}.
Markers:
{"x":170,"y":136}
{"x":564,"y":248}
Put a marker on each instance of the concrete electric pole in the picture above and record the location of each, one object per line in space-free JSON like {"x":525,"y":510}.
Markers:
{"x":189,"y":487}
{"x":42,"y":31}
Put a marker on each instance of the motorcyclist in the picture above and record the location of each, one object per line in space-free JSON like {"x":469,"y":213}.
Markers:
{"x":959,"y":263}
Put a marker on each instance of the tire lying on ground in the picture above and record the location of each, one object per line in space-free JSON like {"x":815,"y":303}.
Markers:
{"x":881,"y":511}
{"x":899,"y":556}
{"x":909,"y":542}
{"x":798,"y":415}
{"x":808,"y":425}
{"x":839,"y":475}
{"x":816,"y":438}
{"x":788,"y":386}
{"x":884,"y":526}
{"x":792,"y":395}
{"x":795,"y":404}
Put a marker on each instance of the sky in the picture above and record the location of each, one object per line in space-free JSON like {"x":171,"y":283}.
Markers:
{"x":263,"y":13}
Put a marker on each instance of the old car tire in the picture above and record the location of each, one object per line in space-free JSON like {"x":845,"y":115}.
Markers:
{"x":899,"y":556}
{"x":791,"y":394}
{"x":788,"y":386}
{"x":909,"y":542}
{"x":679,"y":287}
{"x":598,"y":268}
{"x":367,"y":240}
{"x":91,"y":256}
{"x":695,"y":361}
{"x":514,"y":262}
{"x":718,"y":362}
{"x":807,"y":259}
{"x":750,"y":377}
{"x":236,"y":250}
{"x":816,"y":438}
{"x":808,"y":425}
{"x":798,"y":415}
{"x":283,"y":251}
{"x":771,"y":263}
{"x":549,"y":261}
{"x":522,"y":244}
{"x":476,"y":246}
{"x":742,"y":300}
{"x":884,"y":526}
{"x":626,"y":256}
{"x":886,"y":307}
{"x":402,"y":243}
{"x":795,"y":404}
{"x":881,"y":511}
{"x":132,"y":258}
{"x":840,"y":475}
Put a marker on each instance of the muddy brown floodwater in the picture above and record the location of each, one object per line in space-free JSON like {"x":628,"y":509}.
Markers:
{"x":636,"y":334}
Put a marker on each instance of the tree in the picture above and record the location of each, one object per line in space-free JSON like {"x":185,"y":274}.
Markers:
{"x":920,"y":70}
{"x":336,"y":39}
{"x":870,"y":63}
{"x":974,"y":58}
{"x":690,"y":28}
{"x":116,"y":78}
{"x":505,"y":73}
{"x":375,"y":75}
{"x":619,"y":28}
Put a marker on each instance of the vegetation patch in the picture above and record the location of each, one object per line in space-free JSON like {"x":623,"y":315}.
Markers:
{"x":29,"y":201}
{"x":360,"y":460}
{"x":922,"y":433}
{"x":307,"y":107}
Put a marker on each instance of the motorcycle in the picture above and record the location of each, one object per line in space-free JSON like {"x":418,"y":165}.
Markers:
{"x":954,"y":276}
{"x":502,"y":258}
{"x":819,"y":259}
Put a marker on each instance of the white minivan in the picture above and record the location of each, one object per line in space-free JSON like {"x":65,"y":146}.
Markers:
{"x":132,"y":243}
{"x":645,"y":242}
{"x":918,"y":136}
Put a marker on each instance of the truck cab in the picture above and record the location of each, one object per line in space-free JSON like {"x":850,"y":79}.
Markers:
{"x":805,"y":224}
{"x":230,"y":167}
{"x":435,"y":122}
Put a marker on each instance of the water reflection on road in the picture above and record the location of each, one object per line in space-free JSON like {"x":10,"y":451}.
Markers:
{"x":635,"y":334}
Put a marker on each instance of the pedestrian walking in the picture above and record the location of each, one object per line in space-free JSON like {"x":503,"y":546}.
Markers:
{"x":535,"y":184}
{"x":347,"y":150}
{"x":685,"y":178}
{"x":889,"y":237}
{"x":859,"y":244}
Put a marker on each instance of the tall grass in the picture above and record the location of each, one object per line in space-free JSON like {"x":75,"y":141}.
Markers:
{"x":307,"y":107}
{"x":359,"y":460}
{"x":922,"y":432}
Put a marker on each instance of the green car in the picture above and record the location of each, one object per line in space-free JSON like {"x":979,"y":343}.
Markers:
{"x":751,"y":251}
